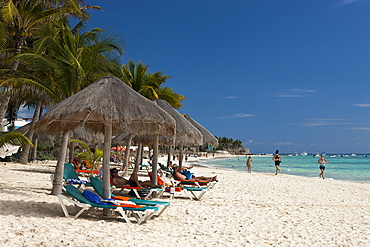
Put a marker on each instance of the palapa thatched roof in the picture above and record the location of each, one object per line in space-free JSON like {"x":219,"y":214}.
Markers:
{"x":108,"y":101}
{"x":83,"y":134}
{"x":186,"y":133}
{"x":42,"y":137}
{"x":208,"y":138}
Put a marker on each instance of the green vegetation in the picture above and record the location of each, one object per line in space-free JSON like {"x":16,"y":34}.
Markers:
{"x":228,"y":144}
{"x":44,"y":59}
{"x":92,"y":158}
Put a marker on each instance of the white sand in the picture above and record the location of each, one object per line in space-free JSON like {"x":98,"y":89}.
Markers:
{"x":241,"y":210}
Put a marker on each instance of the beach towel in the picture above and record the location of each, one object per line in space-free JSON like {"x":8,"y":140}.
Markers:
{"x":94,"y":198}
{"x":76,"y":181}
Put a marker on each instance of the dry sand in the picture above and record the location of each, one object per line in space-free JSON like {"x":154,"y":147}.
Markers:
{"x":241,"y":210}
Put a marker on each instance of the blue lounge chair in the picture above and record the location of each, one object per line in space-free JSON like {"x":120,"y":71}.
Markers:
{"x":141,"y":214}
{"x":70,"y":176}
{"x":97,"y":184}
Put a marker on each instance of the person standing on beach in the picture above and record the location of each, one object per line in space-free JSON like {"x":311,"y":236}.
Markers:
{"x":249,"y":164}
{"x":277,"y":158}
{"x":322,"y":161}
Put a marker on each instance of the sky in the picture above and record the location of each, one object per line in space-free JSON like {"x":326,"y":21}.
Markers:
{"x":292,"y":75}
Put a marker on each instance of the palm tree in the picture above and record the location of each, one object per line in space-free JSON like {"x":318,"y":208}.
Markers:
{"x":67,"y":61}
{"x":149,"y":84}
{"x":91,"y":157}
{"x":20,"y":19}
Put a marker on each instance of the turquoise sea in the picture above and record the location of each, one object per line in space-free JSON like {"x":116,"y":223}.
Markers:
{"x":350,"y":168}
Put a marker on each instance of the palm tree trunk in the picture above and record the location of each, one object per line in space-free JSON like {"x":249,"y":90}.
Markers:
{"x":3,"y":106}
{"x":141,"y":153}
{"x":36,"y":140}
{"x":155,"y":159}
{"x":59,"y":169}
{"x":127,"y":155}
{"x":71,"y":152}
{"x":6,"y":98}
{"x":138,"y":158}
{"x":181,"y":147}
{"x":26,"y":148}
{"x":169,"y":155}
{"x":106,"y":160}
{"x":34,"y":149}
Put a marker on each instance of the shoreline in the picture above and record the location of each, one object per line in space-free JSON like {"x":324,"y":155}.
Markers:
{"x":243,"y":209}
{"x":310,"y":177}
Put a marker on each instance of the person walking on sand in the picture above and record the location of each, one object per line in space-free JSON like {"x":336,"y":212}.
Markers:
{"x":249,"y":164}
{"x":322,"y":161}
{"x":277,"y":158}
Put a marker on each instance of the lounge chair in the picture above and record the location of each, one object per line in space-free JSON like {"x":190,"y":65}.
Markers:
{"x":147,"y":191}
{"x":198,"y":183}
{"x":98,"y":187}
{"x":70,"y":176}
{"x":142,"y":214}
{"x":195,"y":182}
{"x":191,"y":192}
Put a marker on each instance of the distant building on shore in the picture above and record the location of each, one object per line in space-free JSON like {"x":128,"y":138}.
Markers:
{"x":19,"y":122}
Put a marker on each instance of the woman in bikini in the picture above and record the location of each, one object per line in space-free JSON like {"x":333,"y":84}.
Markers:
{"x":322,"y":161}
{"x":277,"y":158}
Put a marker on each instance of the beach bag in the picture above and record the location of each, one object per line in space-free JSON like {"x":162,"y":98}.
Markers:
{"x":92,"y":197}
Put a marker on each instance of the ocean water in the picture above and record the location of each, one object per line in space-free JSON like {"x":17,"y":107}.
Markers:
{"x":350,"y":168}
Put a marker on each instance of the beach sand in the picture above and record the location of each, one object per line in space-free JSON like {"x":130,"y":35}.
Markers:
{"x":243,"y":209}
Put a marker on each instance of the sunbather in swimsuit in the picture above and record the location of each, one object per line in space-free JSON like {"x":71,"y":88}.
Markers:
{"x":133,"y":181}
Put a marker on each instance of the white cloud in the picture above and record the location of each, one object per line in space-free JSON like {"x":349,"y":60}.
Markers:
{"x":292,"y":93}
{"x":25,"y":113}
{"x":284,"y":143}
{"x":362,"y":105}
{"x":324,"y":121}
{"x":249,"y":142}
{"x":230,"y":97}
{"x":360,"y":128}
{"x":239,"y":115}
{"x":288,"y":95}
{"x":302,"y":90}
{"x":348,"y":1}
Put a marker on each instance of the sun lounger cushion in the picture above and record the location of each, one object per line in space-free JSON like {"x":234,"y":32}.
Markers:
{"x":94,"y":198}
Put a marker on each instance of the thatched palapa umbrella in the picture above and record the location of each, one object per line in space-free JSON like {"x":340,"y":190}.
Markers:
{"x":208,"y":138}
{"x":106,"y":106}
{"x":186,"y":133}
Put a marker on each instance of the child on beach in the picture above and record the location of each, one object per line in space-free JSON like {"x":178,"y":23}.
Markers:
{"x":322,"y":161}
{"x":277,"y":158}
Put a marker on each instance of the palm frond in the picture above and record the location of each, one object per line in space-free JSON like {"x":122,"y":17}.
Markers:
{"x":14,"y":138}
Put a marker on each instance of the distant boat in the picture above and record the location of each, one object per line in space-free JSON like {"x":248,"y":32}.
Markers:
{"x":353,"y":154}
{"x":333,"y":155}
{"x":344,"y":155}
{"x":316,"y":155}
{"x":303,"y":153}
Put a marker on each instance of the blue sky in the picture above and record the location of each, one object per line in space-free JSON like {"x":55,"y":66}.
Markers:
{"x":276,"y":74}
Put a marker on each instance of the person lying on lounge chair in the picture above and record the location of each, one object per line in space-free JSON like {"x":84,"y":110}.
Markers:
{"x":186,"y":175}
{"x":134,"y":181}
